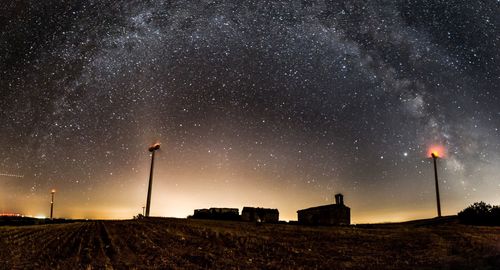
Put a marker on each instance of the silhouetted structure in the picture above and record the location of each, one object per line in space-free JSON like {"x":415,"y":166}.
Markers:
{"x":151,"y":149}
{"x":217,"y":213}
{"x":332,"y":214}
{"x":434,"y":158}
{"x":258,"y":214}
{"x":52,"y":203}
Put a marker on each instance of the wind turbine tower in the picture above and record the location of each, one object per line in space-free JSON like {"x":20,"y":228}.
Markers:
{"x":151,"y":149}
{"x":52,"y":204}
{"x":435,"y":156}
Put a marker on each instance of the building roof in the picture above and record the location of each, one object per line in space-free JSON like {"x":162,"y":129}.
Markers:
{"x":325,"y":207}
{"x":246,"y":208}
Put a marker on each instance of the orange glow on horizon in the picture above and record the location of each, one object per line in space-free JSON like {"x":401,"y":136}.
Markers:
{"x":437,"y":150}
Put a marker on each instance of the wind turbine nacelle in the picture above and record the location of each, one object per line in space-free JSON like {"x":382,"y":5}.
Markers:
{"x":154,"y":147}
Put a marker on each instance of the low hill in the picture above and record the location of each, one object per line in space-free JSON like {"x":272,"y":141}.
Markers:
{"x":166,"y":243}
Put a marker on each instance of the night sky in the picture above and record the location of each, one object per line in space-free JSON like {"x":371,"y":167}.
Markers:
{"x":277,"y":104}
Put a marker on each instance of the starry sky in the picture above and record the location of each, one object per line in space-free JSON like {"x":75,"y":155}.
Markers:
{"x":277,"y":104}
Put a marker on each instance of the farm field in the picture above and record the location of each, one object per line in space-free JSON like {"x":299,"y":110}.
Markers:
{"x":167,"y":243}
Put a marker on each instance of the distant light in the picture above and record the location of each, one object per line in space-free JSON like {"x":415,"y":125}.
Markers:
{"x":405,"y":154}
{"x":10,"y":215}
{"x":53,"y":191}
{"x":11,"y":175}
{"x":40,"y":217}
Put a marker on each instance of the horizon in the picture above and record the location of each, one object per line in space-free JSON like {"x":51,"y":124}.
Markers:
{"x":386,"y":216}
{"x":187,"y":217}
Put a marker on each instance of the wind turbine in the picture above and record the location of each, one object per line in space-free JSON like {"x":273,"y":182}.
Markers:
{"x":151,"y":149}
{"x":52,"y":203}
{"x":436,"y":153}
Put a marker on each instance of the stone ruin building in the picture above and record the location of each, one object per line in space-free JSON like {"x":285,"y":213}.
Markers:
{"x":331,"y":214}
{"x":258,"y":214}
{"x":217,"y":213}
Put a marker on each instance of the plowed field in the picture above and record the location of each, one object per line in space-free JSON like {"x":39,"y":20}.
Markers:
{"x":161,"y":243}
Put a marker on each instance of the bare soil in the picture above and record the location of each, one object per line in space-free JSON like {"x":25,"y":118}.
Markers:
{"x":166,"y":243}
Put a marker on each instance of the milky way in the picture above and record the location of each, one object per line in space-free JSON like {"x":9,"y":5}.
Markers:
{"x":263,"y":103}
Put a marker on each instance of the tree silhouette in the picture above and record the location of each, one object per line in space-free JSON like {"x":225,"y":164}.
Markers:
{"x":480,"y":213}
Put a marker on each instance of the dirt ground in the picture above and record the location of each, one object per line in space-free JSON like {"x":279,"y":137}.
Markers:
{"x":166,"y":243}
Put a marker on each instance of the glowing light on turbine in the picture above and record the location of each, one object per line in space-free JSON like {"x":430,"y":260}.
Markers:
{"x":437,"y":151}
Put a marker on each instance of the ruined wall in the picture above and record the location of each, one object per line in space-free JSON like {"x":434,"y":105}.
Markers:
{"x":217,"y":213}
{"x":260,"y":215}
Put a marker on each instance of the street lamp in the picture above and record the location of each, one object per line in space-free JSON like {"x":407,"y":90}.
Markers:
{"x":151,"y":149}
{"x":52,"y":203}
{"x":435,"y":156}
